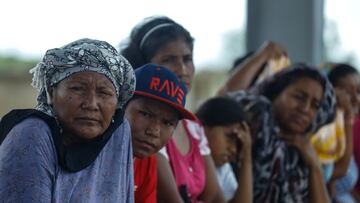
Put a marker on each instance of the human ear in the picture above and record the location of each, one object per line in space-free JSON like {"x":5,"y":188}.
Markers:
{"x":50,"y":95}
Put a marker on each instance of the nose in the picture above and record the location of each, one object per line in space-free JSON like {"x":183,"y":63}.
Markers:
{"x":90,"y":101}
{"x":182,"y":70}
{"x":153,"y":129}
{"x":305,"y":106}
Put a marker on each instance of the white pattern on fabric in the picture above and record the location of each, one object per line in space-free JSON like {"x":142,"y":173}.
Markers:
{"x":79,"y":56}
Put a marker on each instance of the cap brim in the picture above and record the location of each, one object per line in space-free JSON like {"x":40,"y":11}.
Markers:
{"x":182,"y":111}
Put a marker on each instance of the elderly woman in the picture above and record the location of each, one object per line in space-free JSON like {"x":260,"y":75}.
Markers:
{"x":75,"y":145}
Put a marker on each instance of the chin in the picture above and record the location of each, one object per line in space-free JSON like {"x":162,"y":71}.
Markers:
{"x":142,"y":155}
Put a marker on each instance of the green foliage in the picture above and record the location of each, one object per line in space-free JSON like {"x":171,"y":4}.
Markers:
{"x":11,"y":65}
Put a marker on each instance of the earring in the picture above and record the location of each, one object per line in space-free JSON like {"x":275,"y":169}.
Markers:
{"x":112,"y":120}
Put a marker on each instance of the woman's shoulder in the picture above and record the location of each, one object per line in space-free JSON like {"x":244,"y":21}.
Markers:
{"x":123,"y":130}
{"x":121,"y":136}
{"x":194,"y":128}
{"x":196,"y":131}
{"x":31,"y":131}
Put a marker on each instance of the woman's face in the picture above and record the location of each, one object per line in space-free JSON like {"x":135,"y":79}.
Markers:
{"x":178,"y":57}
{"x":84,"y":104}
{"x":351,"y":84}
{"x":297,"y":105}
{"x":223,"y":142}
{"x":152,"y":124}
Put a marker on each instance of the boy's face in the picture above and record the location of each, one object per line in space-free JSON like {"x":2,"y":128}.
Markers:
{"x":223,"y":142}
{"x":152,"y":124}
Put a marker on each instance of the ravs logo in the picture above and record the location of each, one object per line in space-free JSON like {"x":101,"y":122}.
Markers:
{"x":169,"y":88}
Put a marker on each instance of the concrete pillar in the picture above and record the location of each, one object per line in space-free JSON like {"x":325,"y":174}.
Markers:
{"x":296,"y":24}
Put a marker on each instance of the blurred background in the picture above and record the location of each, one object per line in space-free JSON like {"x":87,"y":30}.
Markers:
{"x":314,"y":32}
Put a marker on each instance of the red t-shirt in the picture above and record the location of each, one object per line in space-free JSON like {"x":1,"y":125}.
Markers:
{"x":145,"y":175}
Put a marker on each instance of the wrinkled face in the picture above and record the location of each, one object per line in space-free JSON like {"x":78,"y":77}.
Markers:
{"x":297,"y":105}
{"x":178,"y":57}
{"x":152,"y":125}
{"x":223,"y":142}
{"x":351,"y":84}
{"x":84,"y":104}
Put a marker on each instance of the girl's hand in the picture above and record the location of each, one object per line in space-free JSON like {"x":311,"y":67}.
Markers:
{"x":343,"y":100}
{"x":244,"y":137}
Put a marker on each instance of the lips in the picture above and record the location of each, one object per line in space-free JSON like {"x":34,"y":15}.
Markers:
{"x":299,"y":120}
{"x":88,"y":119}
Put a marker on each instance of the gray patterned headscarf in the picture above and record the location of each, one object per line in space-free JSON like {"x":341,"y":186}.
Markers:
{"x":79,"y":56}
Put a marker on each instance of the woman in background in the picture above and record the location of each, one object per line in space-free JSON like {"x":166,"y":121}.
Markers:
{"x":282,"y":112}
{"x":186,"y":167}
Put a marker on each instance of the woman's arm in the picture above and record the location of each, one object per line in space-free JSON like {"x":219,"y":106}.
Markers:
{"x":212,"y":192}
{"x":245,"y":72}
{"x":318,"y":191}
{"x":166,"y":190}
{"x":317,"y":188}
{"x":342,"y":165}
{"x":27,"y":165}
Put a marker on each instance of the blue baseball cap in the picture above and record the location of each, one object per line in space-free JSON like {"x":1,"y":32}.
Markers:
{"x":161,"y":84}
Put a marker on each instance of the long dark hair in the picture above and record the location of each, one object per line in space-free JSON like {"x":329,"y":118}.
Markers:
{"x":149,"y":36}
{"x":273,"y":86}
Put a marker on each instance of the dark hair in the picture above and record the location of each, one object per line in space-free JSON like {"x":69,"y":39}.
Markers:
{"x":339,"y":71}
{"x":149,"y":36}
{"x":220,"y":111}
{"x":273,"y":86}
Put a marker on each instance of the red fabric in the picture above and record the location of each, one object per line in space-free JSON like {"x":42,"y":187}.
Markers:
{"x":145,"y":176}
{"x":188,"y":170}
{"x":356,"y":140}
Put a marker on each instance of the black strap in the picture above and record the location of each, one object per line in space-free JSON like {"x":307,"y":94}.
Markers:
{"x":73,"y":157}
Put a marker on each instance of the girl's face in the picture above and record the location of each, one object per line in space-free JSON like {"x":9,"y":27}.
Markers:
{"x":296,"y":106}
{"x":223,"y":142}
{"x":178,"y":57}
{"x":351,"y":85}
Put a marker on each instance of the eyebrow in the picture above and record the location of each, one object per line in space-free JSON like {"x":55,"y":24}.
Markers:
{"x":306,"y":94}
{"x":85,"y":81}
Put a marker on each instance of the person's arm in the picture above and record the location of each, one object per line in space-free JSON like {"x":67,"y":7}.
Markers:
{"x":341,"y":166}
{"x":27,"y":165}
{"x":212,"y":191}
{"x":244,"y":192}
{"x":245,"y":72}
{"x":318,"y":191}
{"x":167,"y":189}
{"x":317,"y":187}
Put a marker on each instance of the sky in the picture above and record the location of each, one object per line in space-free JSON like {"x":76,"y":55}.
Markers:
{"x":29,"y":28}
{"x":346,"y":15}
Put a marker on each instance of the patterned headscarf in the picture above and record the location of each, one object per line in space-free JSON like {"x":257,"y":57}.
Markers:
{"x":275,"y":84}
{"x":79,"y":56}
